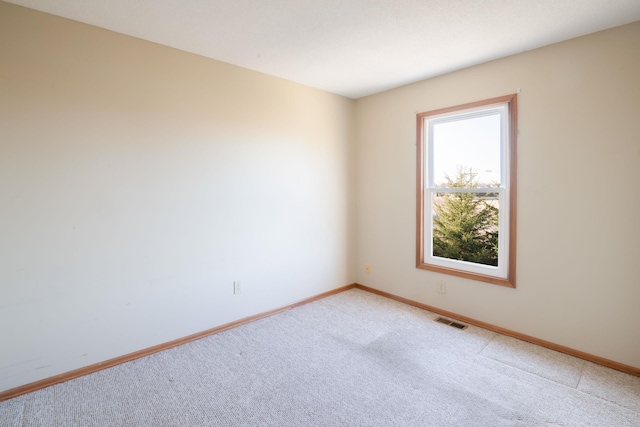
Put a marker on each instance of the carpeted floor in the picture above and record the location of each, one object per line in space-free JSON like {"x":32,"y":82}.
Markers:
{"x":352,"y":359}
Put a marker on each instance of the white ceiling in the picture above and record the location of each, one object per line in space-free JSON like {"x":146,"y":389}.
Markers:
{"x":349,"y":47}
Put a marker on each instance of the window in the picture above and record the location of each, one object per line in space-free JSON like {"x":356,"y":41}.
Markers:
{"x":466,"y":190}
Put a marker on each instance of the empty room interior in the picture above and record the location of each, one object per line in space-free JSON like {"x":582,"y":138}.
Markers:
{"x":173,"y":173}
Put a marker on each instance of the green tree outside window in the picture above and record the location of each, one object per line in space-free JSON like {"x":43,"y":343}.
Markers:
{"x":465,"y":226}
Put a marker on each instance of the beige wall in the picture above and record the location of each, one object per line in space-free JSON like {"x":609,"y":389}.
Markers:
{"x":578,"y":197}
{"x":137,"y":182}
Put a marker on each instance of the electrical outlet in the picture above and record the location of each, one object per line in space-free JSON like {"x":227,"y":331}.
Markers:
{"x":442,"y":286}
{"x":237,"y":288}
{"x":367,"y":269}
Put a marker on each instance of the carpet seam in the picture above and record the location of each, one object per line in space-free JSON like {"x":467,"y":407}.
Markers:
{"x":584,"y":368}
{"x":607,"y":400}
{"x":495,"y":335}
{"x":583,"y":392}
{"x":531,"y":373}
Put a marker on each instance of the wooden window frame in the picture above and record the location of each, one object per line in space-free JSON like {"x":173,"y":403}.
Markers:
{"x":511,"y":187}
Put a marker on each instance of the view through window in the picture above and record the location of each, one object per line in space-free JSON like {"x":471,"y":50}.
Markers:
{"x":466,"y":190}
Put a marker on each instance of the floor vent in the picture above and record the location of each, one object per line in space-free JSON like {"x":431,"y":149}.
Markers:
{"x":451,"y":323}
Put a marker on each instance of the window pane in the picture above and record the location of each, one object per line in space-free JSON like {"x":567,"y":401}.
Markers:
{"x":471,"y":144}
{"x":465,"y":227}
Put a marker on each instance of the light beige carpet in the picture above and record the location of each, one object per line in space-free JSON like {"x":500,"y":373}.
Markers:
{"x":353,"y":359}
